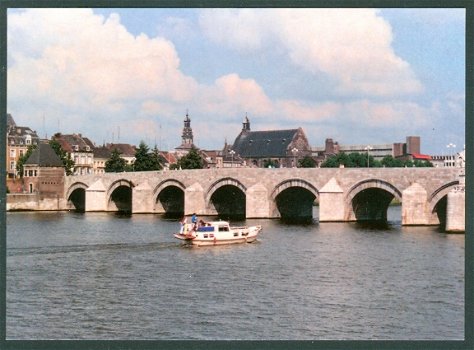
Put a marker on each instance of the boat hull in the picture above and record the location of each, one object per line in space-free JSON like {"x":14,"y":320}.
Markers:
{"x":214,"y":237}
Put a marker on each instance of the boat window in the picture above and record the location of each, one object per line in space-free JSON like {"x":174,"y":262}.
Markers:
{"x":205,"y":235}
{"x":236,"y":234}
{"x":223,"y":228}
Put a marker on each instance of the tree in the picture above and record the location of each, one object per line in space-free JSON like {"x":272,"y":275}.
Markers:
{"x":269,"y":163}
{"x":115,"y":164}
{"x":65,"y":157}
{"x":192,"y":160}
{"x":23,"y":159}
{"x":351,"y":160}
{"x":146,"y":160}
{"x":307,"y":162}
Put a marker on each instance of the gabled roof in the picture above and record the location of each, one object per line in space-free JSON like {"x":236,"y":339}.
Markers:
{"x":421,"y":156}
{"x":73,"y":143}
{"x":257,"y":144}
{"x":21,"y":131}
{"x":102,"y":152}
{"x":168,"y":157}
{"x":125,"y":149}
{"x":44,"y":156}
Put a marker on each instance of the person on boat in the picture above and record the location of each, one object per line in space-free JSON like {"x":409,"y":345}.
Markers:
{"x":183,"y":225}
{"x":194,"y":221}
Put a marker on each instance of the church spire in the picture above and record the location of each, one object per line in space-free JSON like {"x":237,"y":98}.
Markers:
{"x":246,"y":124}
{"x":187,"y":136}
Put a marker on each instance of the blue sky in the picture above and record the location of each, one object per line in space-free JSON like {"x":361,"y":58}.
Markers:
{"x":359,"y":76}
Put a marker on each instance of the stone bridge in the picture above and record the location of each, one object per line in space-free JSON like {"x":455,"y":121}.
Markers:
{"x":343,"y":194}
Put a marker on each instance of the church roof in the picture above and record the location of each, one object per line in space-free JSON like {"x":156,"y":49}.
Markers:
{"x":259,"y":144}
{"x":44,"y":156}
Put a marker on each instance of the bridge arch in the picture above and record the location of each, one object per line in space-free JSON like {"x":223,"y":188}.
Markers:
{"x":368,"y":200}
{"x":293,"y":199}
{"x":168,"y":197}
{"x":76,"y":196}
{"x":227,"y":198}
{"x":119,"y":196}
{"x":438,"y":202}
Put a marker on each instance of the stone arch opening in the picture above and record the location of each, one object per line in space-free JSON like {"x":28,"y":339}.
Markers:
{"x":77,"y":200}
{"x":169,"y":198}
{"x":369,"y":200}
{"x":76,"y":197}
{"x":170,"y":201}
{"x":294,"y":200}
{"x":228,"y":199}
{"x":439,"y":203}
{"x":120,"y":197}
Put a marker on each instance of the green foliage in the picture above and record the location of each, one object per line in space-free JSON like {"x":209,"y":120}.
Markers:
{"x":65,"y":157}
{"x":307,"y":162}
{"x":115,"y":164}
{"x":23,"y":159}
{"x":146,"y":160}
{"x":268,"y":163}
{"x":351,"y":160}
{"x":192,"y":160}
{"x":359,"y":160}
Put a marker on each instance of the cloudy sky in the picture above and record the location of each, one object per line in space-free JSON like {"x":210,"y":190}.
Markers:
{"x":359,"y":76}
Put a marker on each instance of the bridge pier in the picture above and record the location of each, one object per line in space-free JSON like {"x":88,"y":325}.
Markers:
{"x":456,"y":211}
{"x":142,"y":198}
{"x":96,"y":197}
{"x":331,"y":202}
{"x":415,"y":205}
{"x":257,"y":204}
{"x":194,"y":200}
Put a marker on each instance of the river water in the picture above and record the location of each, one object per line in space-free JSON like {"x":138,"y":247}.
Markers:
{"x":103,"y":276}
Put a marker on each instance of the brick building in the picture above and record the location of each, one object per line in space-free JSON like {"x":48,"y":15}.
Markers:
{"x":281,"y":147}
{"x":43,"y":172}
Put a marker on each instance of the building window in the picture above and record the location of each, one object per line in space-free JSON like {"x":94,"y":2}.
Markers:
{"x":12,"y":153}
{"x":36,"y":172}
{"x":31,"y":188}
{"x":12,"y":165}
{"x":21,"y":153}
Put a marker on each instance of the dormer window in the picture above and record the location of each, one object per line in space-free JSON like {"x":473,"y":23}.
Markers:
{"x":76,"y":148}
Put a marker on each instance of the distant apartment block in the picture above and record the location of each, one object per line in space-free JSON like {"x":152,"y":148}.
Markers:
{"x":407,"y":150}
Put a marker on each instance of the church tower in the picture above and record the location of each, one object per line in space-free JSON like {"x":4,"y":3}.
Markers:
{"x":187,"y":136}
{"x":246,"y":124}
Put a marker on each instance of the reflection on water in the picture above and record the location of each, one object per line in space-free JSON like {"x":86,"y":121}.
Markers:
{"x":103,"y":276}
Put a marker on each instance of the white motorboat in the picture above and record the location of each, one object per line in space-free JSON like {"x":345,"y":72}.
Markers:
{"x":218,"y":233}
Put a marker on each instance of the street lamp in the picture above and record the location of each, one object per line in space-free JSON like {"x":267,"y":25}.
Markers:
{"x":294,"y":151}
{"x":450,"y":145}
{"x":368,"y":148}
{"x":232,"y":152}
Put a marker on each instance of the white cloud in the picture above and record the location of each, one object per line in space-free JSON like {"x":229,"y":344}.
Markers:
{"x":91,"y":74}
{"x":76,"y":57}
{"x":351,"y":45}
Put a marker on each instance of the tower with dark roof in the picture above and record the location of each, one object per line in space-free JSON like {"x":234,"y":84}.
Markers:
{"x":246,"y":124}
{"x":187,"y":141}
{"x":43,"y":172}
{"x":187,"y":136}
